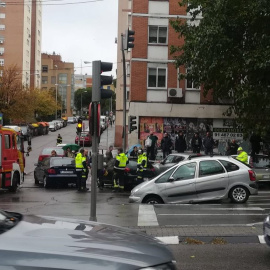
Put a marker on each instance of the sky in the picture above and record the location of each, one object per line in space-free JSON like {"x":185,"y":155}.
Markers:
{"x":84,"y":30}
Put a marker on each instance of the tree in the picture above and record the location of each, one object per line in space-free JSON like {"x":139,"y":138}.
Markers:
{"x":228,"y":53}
{"x":83,"y":96}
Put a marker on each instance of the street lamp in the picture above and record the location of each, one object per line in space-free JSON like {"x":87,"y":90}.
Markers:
{"x":81,"y":100}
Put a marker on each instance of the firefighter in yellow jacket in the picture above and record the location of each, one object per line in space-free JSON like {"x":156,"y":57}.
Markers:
{"x":81,"y":167}
{"x":121,"y":161}
{"x":141,"y":166}
{"x":242,"y":155}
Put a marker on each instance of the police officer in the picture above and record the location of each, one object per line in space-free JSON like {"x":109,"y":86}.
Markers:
{"x":242,"y":155}
{"x":121,"y":161}
{"x":79,"y":159}
{"x":141,"y":166}
{"x":84,"y":171}
{"x":59,"y":139}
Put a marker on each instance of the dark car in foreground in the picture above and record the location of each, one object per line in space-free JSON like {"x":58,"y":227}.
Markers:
{"x":39,"y":242}
{"x":266,"y":230}
{"x":106,"y":175}
{"x":55,"y":170}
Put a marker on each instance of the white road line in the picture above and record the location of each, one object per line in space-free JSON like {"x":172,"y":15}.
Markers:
{"x":199,"y":214}
{"x":147,"y":216}
{"x":261,"y":239}
{"x":169,"y":240}
{"x":236,"y":209}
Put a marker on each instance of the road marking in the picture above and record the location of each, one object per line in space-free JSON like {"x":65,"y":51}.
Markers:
{"x":199,"y":214}
{"x":169,"y":240}
{"x":147,"y":216}
{"x":236,"y":209}
{"x":261,"y":239}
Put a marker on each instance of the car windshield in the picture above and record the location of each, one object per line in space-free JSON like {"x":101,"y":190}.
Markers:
{"x":47,"y":151}
{"x":261,"y":162}
{"x":62,"y":161}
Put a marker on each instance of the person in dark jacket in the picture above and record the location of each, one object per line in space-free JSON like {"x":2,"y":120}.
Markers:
{"x":180,"y":142}
{"x":208,"y":144}
{"x":166,"y":144}
{"x":232,"y":148}
{"x":59,"y":139}
{"x":255,"y":141}
{"x":196,"y":143}
{"x":151,"y":153}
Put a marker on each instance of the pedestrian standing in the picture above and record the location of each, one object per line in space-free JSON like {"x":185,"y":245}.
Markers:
{"x":109,"y":155}
{"x":134,"y":152}
{"x":151,"y":149}
{"x":59,"y":139}
{"x":242,"y":155}
{"x":166,"y":145}
{"x":208,"y":144}
{"x":79,"y":168}
{"x":255,"y":141}
{"x":196,"y":143}
{"x":232,"y":148}
{"x":119,"y":170}
{"x":141,"y":166}
{"x":180,"y":143}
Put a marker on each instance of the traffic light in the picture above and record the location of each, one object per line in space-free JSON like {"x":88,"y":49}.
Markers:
{"x":128,"y":39}
{"x":79,"y":126}
{"x":99,"y":80}
{"x":132,"y":123}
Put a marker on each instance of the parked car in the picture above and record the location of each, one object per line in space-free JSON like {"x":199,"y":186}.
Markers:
{"x":85,"y":139}
{"x":71,"y":120}
{"x":58,"y":124}
{"x":52,"y":126}
{"x":261,"y":166}
{"x":55,"y":170}
{"x":199,"y":179}
{"x":266,"y":230}
{"x":29,"y":242}
{"x":106,"y":175}
{"x":46,"y":152}
{"x":173,"y":159}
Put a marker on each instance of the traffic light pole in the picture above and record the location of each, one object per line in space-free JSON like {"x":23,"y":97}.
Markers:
{"x":124,"y":95}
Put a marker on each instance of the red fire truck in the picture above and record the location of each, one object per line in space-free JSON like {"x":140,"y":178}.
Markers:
{"x":12,"y":160}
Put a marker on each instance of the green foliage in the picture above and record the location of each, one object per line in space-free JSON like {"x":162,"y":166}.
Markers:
{"x":83,"y":96}
{"x":229,"y":53}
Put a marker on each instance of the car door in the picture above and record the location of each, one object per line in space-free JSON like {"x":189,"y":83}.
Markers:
{"x":42,"y":166}
{"x":212,"y":181}
{"x":180,"y":187}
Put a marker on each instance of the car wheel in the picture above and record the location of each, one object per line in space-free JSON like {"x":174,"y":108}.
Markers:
{"x":239,"y":194}
{"x":15,"y":182}
{"x":153,"y":200}
{"x":46,"y":182}
{"x":36,"y":179}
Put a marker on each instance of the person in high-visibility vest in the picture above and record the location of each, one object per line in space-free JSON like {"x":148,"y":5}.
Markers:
{"x":79,"y":159}
{"x":121,"y":161}
{"x":141,"y":166}
{"x":242,"y":155}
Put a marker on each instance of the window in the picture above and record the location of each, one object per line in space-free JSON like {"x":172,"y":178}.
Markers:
{"x":44,"y":68}
{"x":157,"y":77}
{"x":158,"y":34}
{"x":44,"y":79}
{"x":53,"y":80}
{"x":185,"y":172}
{"x":2,"y":27}
{"x":229,"y":166}
{"x":165,"y":177}
{"x":7,"y":141}
{"x":190,"y":84}
{"x":2,"y":15}
{"x":2,"y":62}
{"x":62,"y":78}
{"x":210,"y":167}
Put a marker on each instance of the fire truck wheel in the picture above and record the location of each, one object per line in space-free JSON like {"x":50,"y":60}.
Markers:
{"x":15,"y":182}
{"x":46,"y":182}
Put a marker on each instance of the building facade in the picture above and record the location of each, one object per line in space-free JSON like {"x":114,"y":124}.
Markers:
{"x":20,"y":39}
{"x":155,"y":95}
{"x":58,"y":75}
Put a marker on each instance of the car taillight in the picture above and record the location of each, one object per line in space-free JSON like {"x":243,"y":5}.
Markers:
{"x":127,"y":170}
{"x":252,"y":175}
{"x":51,"y":171}
{"x":40,"y":158}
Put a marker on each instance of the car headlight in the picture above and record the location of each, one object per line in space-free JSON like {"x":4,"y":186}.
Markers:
{"x":166,"y":266}
{"x":133,"y":191}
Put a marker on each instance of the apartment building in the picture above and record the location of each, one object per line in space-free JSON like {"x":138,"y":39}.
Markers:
{"x":155,"y":95}
{"x":59,"y":75}
{"x":20,"y":38}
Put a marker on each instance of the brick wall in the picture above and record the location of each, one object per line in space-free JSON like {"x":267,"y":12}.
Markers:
{"x":138,"y":81}
{"x":140,"y":6}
